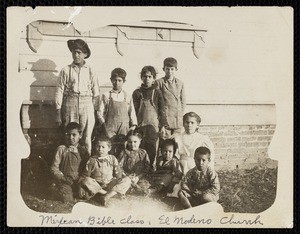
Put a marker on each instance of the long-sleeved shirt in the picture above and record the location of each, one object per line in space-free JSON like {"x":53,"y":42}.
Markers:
{"x":174,"y":98}
{"x":135,"y":161}
{"x":102,"y":169}
{"x":119,"y":97}
{"x":69,"y":161}
{"x":205,"y":181}
{"x":158,"y":102}
{"x":168,"y":167}
{"x":76,"y":80}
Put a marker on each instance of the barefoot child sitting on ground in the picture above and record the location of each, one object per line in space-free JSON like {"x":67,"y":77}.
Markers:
{"x":101,"y":174}
{"x":135,"y":164}
{"x":68,"y":162}
{"x":168,"y":171}
{"x":201,"y":184}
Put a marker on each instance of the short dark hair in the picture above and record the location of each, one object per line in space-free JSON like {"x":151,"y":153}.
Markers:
{"x":192,"y":114}
{"x":150,"y":69}
{"x":104,"y":139}
{"x":202,"y":150}
{"x":170,"y":62}
{"x":169,"y":142}
{"x":73,"y":125}
{"x":118,"y":72}
{"x":134,"y":133}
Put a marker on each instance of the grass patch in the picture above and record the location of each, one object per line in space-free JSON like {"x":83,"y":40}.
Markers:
{"x":242,"y":191}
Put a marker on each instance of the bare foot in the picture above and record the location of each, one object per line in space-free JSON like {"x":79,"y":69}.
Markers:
{"x":102,"y":191}
{"x":105,"y":202}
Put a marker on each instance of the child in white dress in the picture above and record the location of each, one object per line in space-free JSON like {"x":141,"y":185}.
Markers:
{"x":190,"y":140}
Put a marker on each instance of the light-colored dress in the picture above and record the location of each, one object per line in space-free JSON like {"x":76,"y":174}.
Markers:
{"x":187,"y":144}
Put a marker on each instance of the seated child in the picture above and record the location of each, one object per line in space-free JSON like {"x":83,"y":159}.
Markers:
{"x":190,"y":140}
{"x":201,"y":184}
{"x":150,"y":109}
{"x":68,"y":162}
{"x":116,"y":113}
{"x":135,"y":164}
{"x":101,"y":174}
{"x":168,"y":171}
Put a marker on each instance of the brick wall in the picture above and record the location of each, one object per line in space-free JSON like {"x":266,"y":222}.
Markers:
{"x":236,"y":146}
{"x":241,"y":136}
{"x":240,"y":146}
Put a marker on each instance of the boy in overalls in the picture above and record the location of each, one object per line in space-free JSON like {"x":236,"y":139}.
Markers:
{"x":149,"y":106}
{"x":116,"y":112}
{"x":69,"y":161}
{"x":174,"y":96}
{"x":76,"y":89}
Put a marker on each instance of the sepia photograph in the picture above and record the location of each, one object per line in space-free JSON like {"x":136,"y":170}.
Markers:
{"x":173,"y":120}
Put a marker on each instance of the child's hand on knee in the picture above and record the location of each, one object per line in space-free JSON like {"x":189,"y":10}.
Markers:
{"x":66,"y":180}
{"x":197,"y":193}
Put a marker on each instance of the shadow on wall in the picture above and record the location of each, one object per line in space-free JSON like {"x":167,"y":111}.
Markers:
{"x":38,"y":121}
{"x":41,"y":125}
{"x":43,"y":88}
{"x":41,"y":112}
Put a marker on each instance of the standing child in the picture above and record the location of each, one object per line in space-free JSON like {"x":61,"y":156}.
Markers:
{"x":116,"y":112}
{"x":76,"y":89}
{"x":190,"y":140}
{"x":135,"y":163}
{"x":168,"y":169}
{"x":101,"y":174}
{"x":201,"y":184}
{"x":68,"y":162}
{"x":174,"y":96}
{"x":149,"y":106}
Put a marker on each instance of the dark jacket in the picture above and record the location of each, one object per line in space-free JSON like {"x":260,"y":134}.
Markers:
{"x":158,"y":102}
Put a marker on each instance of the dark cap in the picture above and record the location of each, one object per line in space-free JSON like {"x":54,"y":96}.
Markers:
{"x":79,"y":44}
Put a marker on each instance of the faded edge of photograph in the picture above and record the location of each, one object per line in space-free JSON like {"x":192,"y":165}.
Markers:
{"x":127,"y":121}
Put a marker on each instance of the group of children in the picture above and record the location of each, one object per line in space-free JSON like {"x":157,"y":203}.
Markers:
{"x":141,"y":147}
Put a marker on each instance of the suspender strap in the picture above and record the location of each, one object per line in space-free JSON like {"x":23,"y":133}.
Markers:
{"x":125,"y":95}
{"x":152,"y":97}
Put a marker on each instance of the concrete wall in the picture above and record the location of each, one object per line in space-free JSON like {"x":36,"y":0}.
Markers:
{"x":226,"y":85}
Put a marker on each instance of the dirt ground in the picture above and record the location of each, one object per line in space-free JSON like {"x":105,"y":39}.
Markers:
{"x":242,"y":191}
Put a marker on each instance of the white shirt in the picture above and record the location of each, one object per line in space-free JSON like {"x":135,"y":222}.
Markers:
{"x":118,"y":96}
{"x":76,"y":80}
